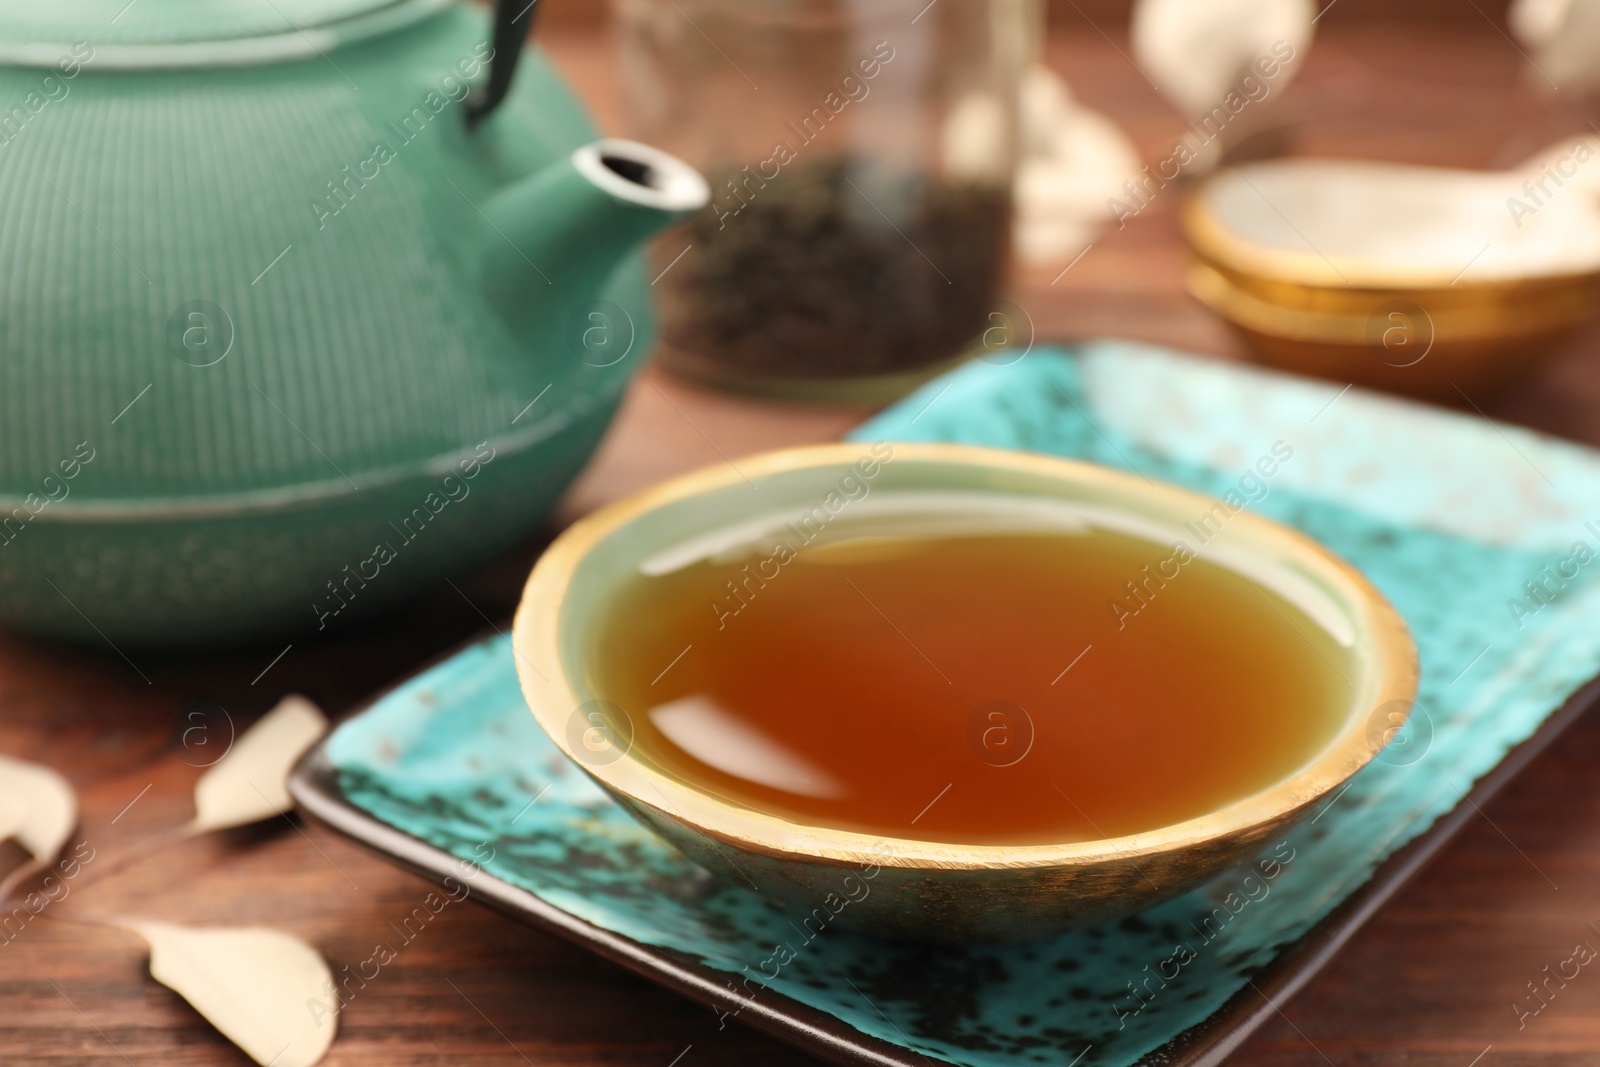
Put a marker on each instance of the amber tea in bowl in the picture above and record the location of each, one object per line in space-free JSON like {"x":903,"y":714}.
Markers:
{"x":971,"y":685}
{"x":1006,"y":694}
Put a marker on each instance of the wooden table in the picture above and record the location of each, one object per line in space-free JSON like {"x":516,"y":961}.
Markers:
{"x":1430,"y":981}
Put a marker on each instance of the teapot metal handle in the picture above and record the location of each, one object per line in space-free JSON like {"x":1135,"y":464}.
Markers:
{"x":512,"y":20}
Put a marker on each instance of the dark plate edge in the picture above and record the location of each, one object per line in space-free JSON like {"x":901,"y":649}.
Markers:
{"x":314,"y":785}
{"x":315,"y":788}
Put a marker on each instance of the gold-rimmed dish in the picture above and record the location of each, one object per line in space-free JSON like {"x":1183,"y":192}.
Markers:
{"x":1417,"y":280}
{"x":930,"y":890}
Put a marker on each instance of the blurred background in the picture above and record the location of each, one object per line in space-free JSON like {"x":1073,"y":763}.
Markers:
{"x":1433,"y":83}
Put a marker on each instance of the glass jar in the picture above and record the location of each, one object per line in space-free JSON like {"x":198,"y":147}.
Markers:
{"x":861,"y":156}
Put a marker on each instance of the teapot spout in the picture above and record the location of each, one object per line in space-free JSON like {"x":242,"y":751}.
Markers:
{"x":556,"y":235}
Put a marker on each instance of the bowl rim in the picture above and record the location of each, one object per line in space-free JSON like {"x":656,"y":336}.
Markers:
{"x":1390,"y":675}
{"x":1212,"y":239}
{"x":1228,"y":292}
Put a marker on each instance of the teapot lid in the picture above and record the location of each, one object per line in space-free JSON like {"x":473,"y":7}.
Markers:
{"x":124,"y":34}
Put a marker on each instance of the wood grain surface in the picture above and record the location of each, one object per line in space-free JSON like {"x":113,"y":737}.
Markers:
{"x":1431,"y":981}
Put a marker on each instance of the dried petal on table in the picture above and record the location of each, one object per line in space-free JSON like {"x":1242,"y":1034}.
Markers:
{"x":256,"y":986}
{"x":250,"y":783}
{"x":38,"y":808}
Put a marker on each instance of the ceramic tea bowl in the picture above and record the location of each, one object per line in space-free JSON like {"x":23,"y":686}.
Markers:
{"x":902,"y":887}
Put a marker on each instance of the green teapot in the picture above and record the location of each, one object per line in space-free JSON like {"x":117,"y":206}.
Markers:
{"x":306,"y":304}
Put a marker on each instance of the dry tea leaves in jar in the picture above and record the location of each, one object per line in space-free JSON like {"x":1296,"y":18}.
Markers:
{"x":832,"y":269}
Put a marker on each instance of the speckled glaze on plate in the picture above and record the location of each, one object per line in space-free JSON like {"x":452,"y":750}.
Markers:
{"x":1448,"y":515}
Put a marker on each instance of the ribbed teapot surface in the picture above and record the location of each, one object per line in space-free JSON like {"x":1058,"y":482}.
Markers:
{"x":238,"y":278}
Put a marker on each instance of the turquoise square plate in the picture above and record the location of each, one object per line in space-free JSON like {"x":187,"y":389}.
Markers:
{"x":1478,"y":533}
